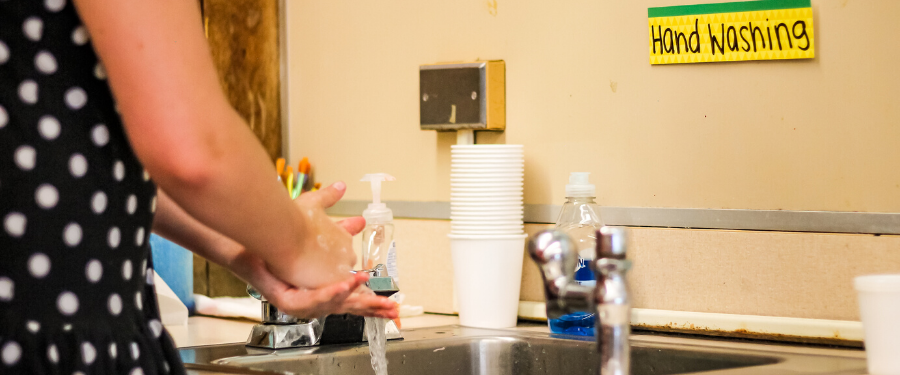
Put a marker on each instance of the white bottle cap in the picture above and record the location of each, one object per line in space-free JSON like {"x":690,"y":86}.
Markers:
{"x":580,"y":186}
{"x":377,"y":212}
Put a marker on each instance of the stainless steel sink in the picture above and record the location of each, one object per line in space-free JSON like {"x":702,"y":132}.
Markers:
{"x":460,"y":350}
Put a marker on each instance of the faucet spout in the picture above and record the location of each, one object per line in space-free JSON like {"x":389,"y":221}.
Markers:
{"x":554,"y":252}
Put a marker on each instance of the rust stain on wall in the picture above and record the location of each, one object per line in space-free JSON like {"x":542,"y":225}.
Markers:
{"x":691,"y":329}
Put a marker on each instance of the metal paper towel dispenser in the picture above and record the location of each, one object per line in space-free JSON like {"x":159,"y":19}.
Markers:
{"x":463,"y":96}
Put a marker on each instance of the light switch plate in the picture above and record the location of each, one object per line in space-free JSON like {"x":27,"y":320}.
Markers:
{"x":463,"y":96}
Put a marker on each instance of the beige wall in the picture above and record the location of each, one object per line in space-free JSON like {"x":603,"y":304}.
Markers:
{"x":815,"y":134}
{"x":819,"y":134}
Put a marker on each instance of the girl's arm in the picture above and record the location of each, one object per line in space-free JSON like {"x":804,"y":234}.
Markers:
{"x":175,"y":224}
{"x":196,"y":146}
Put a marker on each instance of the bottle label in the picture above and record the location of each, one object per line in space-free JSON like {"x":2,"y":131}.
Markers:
{"x":392,"y":263}
{"x":582,"y":271}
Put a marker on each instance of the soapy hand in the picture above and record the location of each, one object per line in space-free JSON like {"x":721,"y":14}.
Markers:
{"x":338,"y":298}
{"x":325,"y":254}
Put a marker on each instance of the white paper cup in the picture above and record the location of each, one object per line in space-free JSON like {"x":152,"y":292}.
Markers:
{"x":496,"y":209}
{"x":487,"y":171}
{"x":487,"y":180}
{"x":485,"y":234}
{"x":879,"y":307}
{"x":487,"y":274}
{"x":487,"y":189}
{"x":486,"y":185}
{"x":487,"y":156}
{"x":460,"y":218}
{"x":487,"y":164}
{"x":487,"y":229}
{"x":480,"y":176}
{"x":485,"y":147}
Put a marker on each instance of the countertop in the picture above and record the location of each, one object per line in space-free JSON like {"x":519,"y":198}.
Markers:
{"x":204,"y":330}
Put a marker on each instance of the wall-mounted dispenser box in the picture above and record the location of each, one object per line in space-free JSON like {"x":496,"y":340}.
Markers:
{"x":463,"y":96}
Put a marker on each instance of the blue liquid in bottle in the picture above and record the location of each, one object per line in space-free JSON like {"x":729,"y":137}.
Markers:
{"x":579,"y":323}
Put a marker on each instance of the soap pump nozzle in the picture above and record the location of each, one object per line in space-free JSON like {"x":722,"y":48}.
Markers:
{"x":377,"y":212}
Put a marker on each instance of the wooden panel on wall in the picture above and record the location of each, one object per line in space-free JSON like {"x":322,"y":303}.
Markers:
{"x":243,"y":39}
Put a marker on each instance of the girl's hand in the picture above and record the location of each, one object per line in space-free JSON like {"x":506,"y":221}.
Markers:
{"x":325,"y":253}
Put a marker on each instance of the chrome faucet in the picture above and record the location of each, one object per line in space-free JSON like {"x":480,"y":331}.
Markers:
{"x":555,"y":254}
{"x":279,"y":330}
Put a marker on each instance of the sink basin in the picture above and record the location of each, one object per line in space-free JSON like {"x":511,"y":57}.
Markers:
{"x":460,"y":350}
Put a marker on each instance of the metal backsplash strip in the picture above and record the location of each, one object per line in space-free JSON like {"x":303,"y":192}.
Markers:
{"x":699,"y":218}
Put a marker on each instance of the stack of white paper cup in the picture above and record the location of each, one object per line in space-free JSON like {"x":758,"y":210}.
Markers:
{"x":486,"y":232}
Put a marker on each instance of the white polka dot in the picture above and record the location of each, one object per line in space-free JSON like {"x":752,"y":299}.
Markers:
{"x":49,"y":127}
{"x":126,"y":270}
{"x":26,"y":157}
{"x":78,"y":165}
{"x":113,"y":351}
{"x":33,"y":326}
{"x":94,"y":271}
{"x":119,"y":170}
{"x":155,"y":327}
{"x":7,"y":289}
{"x":72,"y":234}
{"x":53,"y":353}
{"x":14,"y":223}
{"x":144,"y":268}
{"x":80,"y":36}
{"x":131,"y":204}
{"x":28,"y":91}
{"x":149,"y":276}
{"x":45,"y":62}
{"x":33,"y":28}
{"x":139,"y":301}
{"x":153,"y":205}
{"x":98,"y":202}
{"x":135,"y":351}
{"x":100,"y":135}
{"x":78,"y":373}
{"x":136,"y":371}
{"x":46,"y":196}
{"x":39,"y":265}
{"x":76,"y":98}
{"x":4,"y":117}
{"x":55,"y":5}
{"x":114,"y":304}
{"x":11,"y":353}
{"x":146,"y":175}
{"x":4,"y":53}
{"x":67,"y":327}
{"x":139,"y":237}
{"x":166,"y":367}
{"x":88,"y":353}
{"x":114,"y":237}
{"x":99,"y":71}
{"x":67,"y":303}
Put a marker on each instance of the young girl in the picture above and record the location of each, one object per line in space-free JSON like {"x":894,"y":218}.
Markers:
{"x":97,"y":96}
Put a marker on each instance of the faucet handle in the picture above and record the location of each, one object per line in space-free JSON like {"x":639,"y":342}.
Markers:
{"x":556,"y":256}
{"x":612,"y":243}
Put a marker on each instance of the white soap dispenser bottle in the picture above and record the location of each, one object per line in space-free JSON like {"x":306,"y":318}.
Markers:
{"x":378,"y":236}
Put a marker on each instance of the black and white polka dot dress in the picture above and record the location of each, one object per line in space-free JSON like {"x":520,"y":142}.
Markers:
{"x":76,"y":208}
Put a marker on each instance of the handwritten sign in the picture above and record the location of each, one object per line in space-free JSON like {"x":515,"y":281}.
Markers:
{"x":740,"y":31}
